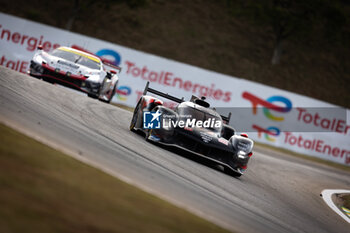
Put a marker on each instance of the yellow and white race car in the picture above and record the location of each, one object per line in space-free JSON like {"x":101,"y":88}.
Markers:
{"x":76,"y":69}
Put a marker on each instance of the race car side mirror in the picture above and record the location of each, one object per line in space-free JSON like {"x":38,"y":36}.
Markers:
{"x":40,"y":47}
{"x":113,"y":71}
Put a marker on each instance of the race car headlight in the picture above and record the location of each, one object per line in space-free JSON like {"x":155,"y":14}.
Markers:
{"x":35,"y":67}
{"x":241,"y":154}
{"x":93,"y":77}
{"x":94,"y":86}
{"x":91,"y":86}
{"x":38,"y":58}
{"x":241,"y":144}
{"x":40,"y":69}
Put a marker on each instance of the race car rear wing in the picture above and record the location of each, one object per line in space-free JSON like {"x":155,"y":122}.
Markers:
{"x":170,"y":97}
{"x":226,"y":119}
{"x":111,"y":65}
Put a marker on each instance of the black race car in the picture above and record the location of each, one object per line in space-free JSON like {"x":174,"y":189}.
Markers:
{"x":192,"y":126}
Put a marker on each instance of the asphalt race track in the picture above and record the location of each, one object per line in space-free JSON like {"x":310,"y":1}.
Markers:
{"x":278,"y":193}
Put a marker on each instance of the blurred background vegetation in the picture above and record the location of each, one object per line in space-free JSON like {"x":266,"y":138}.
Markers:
{"x":297,"y":45}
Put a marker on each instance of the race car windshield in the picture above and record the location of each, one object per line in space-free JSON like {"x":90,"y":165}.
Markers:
{"x":193,"y":113}
{"x":88,"y":63}
{"x":76,"y":58}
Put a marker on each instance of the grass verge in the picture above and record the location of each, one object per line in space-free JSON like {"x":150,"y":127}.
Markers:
{"x":43,"y":190}
{"x":346,"y":199}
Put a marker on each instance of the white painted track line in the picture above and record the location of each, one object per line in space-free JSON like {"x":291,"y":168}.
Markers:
{"x":327,"y":197}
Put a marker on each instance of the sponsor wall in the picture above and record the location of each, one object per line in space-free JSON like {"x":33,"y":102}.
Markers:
{"x":270,"y":115}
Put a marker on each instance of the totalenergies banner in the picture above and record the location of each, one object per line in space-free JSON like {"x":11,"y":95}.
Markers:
{"x":270,"y":115}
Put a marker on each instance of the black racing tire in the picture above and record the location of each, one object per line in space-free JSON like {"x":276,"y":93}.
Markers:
{"x":134,"y":117}
{"x":113,"y":93}
{"x":111,"y":97}
{"x":109,"y":100}
{"x":48,"y":80}
{"x":34,"y":76}
{"x":92,"y":96}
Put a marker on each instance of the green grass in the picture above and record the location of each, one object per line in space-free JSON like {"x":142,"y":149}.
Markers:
{"x":346,"y":199}
{"x":43,"y":190}
{"x":130,"y":109}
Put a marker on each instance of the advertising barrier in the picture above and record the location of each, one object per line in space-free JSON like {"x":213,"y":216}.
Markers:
{"x":270,"y":115}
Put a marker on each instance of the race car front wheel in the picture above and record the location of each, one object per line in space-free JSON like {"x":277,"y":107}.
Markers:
{"x":135,"y":116}
{"x":112,"y":94}
{"x":48,"y":80}
{"x":94,"y":96}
